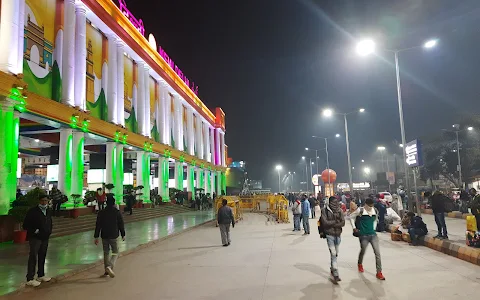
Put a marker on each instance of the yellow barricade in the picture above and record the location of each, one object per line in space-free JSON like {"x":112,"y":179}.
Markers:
{"x":233,"y":202}
{"x":276,"y":205}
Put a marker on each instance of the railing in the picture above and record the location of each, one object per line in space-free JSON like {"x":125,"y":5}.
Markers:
{"x":274,"y":205}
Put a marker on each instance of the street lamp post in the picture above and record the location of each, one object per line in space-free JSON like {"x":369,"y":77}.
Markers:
{"x":279,"y":168}
{"x":329,"y":113}
{"x":459,"y":165}
{"x":367,"y":47}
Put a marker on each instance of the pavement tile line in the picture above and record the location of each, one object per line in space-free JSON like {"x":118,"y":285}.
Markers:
{"x":23,"y":288}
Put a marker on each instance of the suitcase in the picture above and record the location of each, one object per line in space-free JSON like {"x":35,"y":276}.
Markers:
{"x":397,"y":237}
{"x":471,"y":223}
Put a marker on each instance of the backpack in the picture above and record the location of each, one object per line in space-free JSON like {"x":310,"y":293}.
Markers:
{"x":358,"y":220}
{"x":321,"y":229}
{"x":448,"y":204}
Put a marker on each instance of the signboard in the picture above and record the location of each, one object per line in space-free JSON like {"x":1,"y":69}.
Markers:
{"x":316,"y":179}
{"x":356,"y":186}
{"x":413,"y":151}
{"x":52,"y":173}
{"x":391,"y":177}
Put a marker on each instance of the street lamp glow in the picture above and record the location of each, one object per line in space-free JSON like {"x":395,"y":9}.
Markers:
{"x":470,"y":128}
{"x":430,"y":44}
{"x":381,"y":148}
{"x":361,"y":110}
{"x":363,"y":160}
{"x":400,"y":145}
{"x":306,"y":149}
{"x":278,"y":167}
{"x":313,"y":162}
{"x":366,"y":170}
{"x":37,"y":140}
{"x":327,"y":112}
{"x":365,"y":47}
{"x":303,"y":157}
{"x":337,"y":135}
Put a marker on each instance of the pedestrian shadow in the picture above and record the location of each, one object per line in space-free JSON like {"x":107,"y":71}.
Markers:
{"x":362,"y":287}
{"x":298,"y":240}
{"x":200,"y":247}
{"x":312,"y":291}
{"x":317,"y":270}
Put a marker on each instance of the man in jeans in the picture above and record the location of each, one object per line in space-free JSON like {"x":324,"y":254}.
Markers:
{"x":364,"y":223}
{"x":438,"y":207}
{"x":109,"y":224}
{"x":306,"y":215}
{"x":224,"y":219}
{"x":332,"y":220}
{"x":38,"y":224}
{"x":297,"y":212}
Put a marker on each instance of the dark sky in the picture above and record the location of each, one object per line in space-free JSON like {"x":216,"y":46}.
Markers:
{"x":272,"y":65}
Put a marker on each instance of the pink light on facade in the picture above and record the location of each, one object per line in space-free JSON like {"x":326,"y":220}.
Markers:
{"x":137,"y":23}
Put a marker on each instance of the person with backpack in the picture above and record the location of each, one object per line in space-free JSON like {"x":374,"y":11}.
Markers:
{"x":364,"y":222}
{"x":438,"y":207}
{"x":297,"y":212}
{"x":417,"y":228}
{"x":332,"y":221}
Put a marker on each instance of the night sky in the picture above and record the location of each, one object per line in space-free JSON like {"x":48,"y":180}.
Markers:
{"x":273,"y":65}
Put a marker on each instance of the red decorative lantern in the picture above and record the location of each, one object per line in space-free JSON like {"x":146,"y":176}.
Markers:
{"x":333,"y":175}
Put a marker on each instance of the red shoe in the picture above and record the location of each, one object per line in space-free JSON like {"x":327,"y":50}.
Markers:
{"x":380,"y":276}
{"x":360,"y":268}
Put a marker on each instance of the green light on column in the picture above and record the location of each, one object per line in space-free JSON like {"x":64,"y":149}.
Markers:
{"x":180,"y":176}
{"x":166,"y":175}
{"x":79,"y":162}
{"x":68,"y":170}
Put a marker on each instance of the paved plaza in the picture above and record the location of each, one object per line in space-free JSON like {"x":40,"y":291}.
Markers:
{"x":267,"y":261}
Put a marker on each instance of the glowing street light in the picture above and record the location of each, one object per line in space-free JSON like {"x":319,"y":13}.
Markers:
{"x":381,"y":148}
{"x":303,"y":157}
{"x":337,"y":135}
{"x":365,"y":47}
{"x":366,"y":170}
{"x":430,"y":44}
{"x":361,"y":110}
{"x":327,"y":112}
{"x":400,"y":145}
{"x":279,"y":168}
{"x":306,"y":149}
{"x":363,"y":160}
{"x":470,"y":128}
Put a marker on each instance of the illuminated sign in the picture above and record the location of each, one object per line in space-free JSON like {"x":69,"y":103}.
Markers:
{"x":316,"y":179}
{"x":138,"y":24}
{"x":413,"y":152}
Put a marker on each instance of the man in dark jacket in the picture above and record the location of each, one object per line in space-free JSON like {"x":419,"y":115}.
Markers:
{"x":475,"y":206}
{"x":332,"y":220}
{"x":224,"y":219}
{"x":38,"y":224}
{"x":438,"y":207}
{"x":109,"y":224}
{"x":57,"y":197}
{"x":417,"y":228}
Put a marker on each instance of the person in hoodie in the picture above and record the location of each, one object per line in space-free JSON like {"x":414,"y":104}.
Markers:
{"x":297,"y":212}
{"x":333,"y":220}
{"x":109,"y":225}
{"x":417,"y":228}
{"x":306,"y":215}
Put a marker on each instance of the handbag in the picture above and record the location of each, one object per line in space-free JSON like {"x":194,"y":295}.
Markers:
{"x":64,"y":199}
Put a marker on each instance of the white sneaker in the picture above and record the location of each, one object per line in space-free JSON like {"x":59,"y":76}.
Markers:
{"x":110,"y":272}
{"x":44,"y":279}
{"x":33,"y":283}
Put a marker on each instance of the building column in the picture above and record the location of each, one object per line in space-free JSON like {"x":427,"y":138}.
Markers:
{"x":207,"y":142}
{"x":112,"y":79}
{"x":191,"y":132}
{"x":65,"y":161}
{"x":80,"y":55}
{"x":68,"y":63}
{"x":199,"y":136}
{"x":120,"y":84}
{"x":141,"y":99}
{"x":200,"y":179}
{"x":179,"y":175}
{"x":178,"y":123}
{"x":78,"y":142}
{"x":222,"y":149}
{"x":191,"y":180}
{"x":143,"y":174}
{"x":9,"y":138}
{"x":148,"y":124}
{"x":110,"y":172}
{"x":218,"y":155}
{"x":207,"y":180}
{"x":165,"y":113}
{"x":119,"y":174}
{"x":163,"y":177}
{"x":213,"y":188}
{"x":218,"y":183}
{"x":12,"y":18}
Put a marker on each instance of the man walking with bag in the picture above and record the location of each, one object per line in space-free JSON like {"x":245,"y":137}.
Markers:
{"x":364,"y":221}
{"x":224,"y":219}
{"x":109,"y":224}
{"x":332,"y":220}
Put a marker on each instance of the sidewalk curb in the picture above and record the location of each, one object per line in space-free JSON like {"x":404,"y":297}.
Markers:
{"x":453,"y":214}
{"x":22,"y":288}
{"x":463,"y":252}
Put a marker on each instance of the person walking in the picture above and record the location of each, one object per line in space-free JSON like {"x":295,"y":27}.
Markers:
{"x":333,"y":220}
{"x":311,"y":200}
{"x":438,"y":207}
{"x":364,"y":222}
{"x":306,"y":215}
{"x":109,"y":225}
{"x":224,"y":219}
{"x":475,"y":206}
{"x":57,"y":199}
{"x":38,"y":224}
{"x":297,"y":212}
{"x":130,"y":201}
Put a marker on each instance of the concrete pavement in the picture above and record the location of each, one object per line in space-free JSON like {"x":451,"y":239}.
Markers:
{"x":269,"y":261}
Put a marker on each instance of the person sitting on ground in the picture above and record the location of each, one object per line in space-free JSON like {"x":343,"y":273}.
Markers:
{"x":417,"y":228}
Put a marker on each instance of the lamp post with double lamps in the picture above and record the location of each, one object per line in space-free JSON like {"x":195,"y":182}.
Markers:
{"x":328,"y":113}
{"x":459,"y":165}
{"x":279,"y":168}
{"x":367,"y":47}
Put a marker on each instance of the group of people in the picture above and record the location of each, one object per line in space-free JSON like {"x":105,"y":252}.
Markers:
{"x":38,"y":224}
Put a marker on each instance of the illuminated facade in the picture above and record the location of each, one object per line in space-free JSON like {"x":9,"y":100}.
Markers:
{"x":88,"y":66}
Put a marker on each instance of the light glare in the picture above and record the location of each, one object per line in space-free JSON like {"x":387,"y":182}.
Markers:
{"x":327,"y":112}
{"x":365,"y":47}
{"x":430,"y":44}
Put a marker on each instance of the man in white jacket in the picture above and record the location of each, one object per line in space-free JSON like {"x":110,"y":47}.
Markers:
{"x":297,"y":212}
